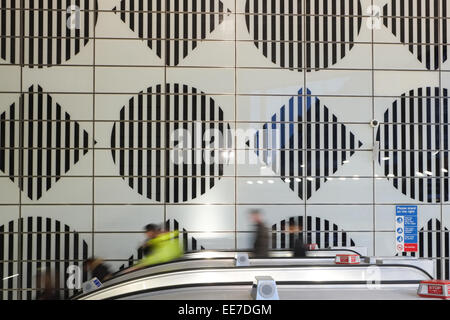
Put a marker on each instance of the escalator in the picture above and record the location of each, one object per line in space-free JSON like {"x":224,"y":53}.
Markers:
{"x":217,"y":277}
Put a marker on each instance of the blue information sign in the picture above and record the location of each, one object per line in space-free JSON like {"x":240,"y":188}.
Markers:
{"x":406,"y":229}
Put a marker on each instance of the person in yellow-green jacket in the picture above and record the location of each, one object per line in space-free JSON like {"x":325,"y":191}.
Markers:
{"x":162,"y":247}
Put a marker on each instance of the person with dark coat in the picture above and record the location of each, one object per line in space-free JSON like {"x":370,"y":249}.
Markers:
{"x":261,"y":244}
{"x":98,"y":269}
{"x":299,"y":246}
{"x":47,"y":289}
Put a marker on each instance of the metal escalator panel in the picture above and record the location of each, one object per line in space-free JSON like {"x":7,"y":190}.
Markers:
{"x":246,"y":275}
{"x":176,"y":265}
{"x":286,"y":292}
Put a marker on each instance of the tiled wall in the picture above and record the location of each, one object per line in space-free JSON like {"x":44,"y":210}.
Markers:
{"x":87,"y":107}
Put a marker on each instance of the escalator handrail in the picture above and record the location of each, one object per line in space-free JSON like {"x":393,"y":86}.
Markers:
{"x":117,"y":275}
{"x":277,"y":250}
{"x":241,"y":251}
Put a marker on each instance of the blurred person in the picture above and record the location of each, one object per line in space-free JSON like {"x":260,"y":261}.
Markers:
{"x":98,"y":269}
{"x":151,"y":231}
{"x":261,"y":244}
{"x":47,"y":289}
{"x":161,"y":246}
{"x":299,"y":246}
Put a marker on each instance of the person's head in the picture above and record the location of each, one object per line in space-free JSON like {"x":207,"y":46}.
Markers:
{"x":256,"y":216}
{"x":293,"y":228}
{"x":89,"y":263}
{"x":44,"y":279}
{"x":152,"y":230}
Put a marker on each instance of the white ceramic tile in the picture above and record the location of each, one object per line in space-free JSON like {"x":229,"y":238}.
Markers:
{"x":346,"y":217}
{"x":262,"y":108}
{"x":60,"y":79}
{"x":77,"y":218}
{"x":340,"y":82}
{"x":202,"y":218}
{"x":385,"y":244}
{"x":344,"y":190}
{"x":349,"y":109}
{"x":214,"y":240}
{"x":358,"y":166}
{"x":214,"y":53}
{"x":272,"y":214}
{"x":127,"y":80}
{"x":116,"y":191}
{"x":105,"y":165}
{"x":222,"y":193}
{"x":446,"y":216}
{"x":445,"y":80}
{"x":117,"y":246}
{"x":445,"y":66}
{"x":269,"y":82}
{"x":126,"y":218}
{"x":270,"y":191}
{"x":386,"y":192}
{"x":395,"y":56}
{"x":68,"y":190}
{"x":8,"y":214}
{"x":80,"y":107}
{"x":363,"y":239}
{"x":209,"y":80}
{"x":125,"y":52}
{"x":10,"y":79}
{"x":396,"y":83}
{"x":10,"y":191}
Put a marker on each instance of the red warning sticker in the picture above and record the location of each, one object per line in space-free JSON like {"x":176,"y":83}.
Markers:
{"x":435,"y":289}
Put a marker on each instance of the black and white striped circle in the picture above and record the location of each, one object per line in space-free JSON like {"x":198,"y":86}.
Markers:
{"x":145,"y":143}
{"x":431,"y":246}
{"x":298,"y":37}
{"x":54,"y":31}
{"x":422,"y":25}
{"x":172,"y":28}
{"x":281,"y":144}
{"x":47,"y":244}
{"x":317,"y":230}
{"x":413,"y":132}
{"x":39,"y":142}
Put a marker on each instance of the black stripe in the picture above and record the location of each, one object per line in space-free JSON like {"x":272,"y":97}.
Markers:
{"x":29,"y":246}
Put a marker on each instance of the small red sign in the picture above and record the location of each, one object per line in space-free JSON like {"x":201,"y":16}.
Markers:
{"x":411,"y":247}
{"x":347,"y":259}
{"x":435,"y":289}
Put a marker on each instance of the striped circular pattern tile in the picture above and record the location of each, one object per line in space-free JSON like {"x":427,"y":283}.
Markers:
{"x":300,"y":35}
{"x":54,"y":31}
{"x":414,"y":130}
{"x":171,"y":143}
